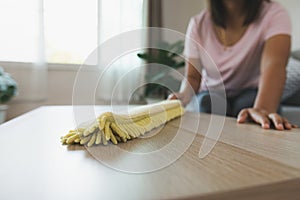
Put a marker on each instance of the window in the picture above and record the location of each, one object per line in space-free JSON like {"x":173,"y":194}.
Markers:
{"x":70,"y":30}
{"x":61,"y":31}
{"x":19,"y":33}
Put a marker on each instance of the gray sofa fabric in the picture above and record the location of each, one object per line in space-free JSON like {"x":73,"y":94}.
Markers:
{"x":292,"y":85}
{"x":296,"y":54}
{"x":290,"y":106}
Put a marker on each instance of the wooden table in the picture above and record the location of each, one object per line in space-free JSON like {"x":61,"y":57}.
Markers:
{"x":246,"y":163}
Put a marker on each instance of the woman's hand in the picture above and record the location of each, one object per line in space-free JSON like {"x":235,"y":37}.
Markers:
{"x":182,"y":96}
{"x":264,"y":118}
{"x":273,"y":64}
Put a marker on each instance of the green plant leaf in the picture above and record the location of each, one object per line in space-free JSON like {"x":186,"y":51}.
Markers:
{"x":166,"y":54}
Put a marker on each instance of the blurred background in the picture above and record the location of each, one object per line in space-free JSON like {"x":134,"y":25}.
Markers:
{"x":44,"y":42}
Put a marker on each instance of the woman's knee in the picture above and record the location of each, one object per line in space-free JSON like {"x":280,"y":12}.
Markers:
{"x":212,"y":103}
{"x":204,"y":102}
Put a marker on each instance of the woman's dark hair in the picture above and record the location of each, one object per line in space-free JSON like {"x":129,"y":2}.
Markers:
{"x":251,"y":7}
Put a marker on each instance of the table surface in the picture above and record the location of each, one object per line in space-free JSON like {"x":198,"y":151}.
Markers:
{"x":247,"y":162}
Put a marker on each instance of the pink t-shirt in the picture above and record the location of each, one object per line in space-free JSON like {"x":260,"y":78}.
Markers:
{"x":239,"y":65}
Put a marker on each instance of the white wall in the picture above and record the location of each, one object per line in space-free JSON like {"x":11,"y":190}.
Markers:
{"x":293,"y":7}
{"x":59,"y":88}
{"x":177,"y":13}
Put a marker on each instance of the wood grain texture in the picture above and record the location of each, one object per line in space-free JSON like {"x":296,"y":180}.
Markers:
{"x":282,"y":146}
{"x":246,"y":163}
{"x":276,"y":191}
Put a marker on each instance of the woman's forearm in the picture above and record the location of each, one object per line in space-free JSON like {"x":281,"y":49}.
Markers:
{"x":273,"y":73}
{"x":192,"y":87}
{"x":193,"y":80}
{"x":270,"y":88}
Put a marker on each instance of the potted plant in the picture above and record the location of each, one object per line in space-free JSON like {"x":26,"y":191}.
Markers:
{"x":8,"y":89}
{"x":169,"y":55}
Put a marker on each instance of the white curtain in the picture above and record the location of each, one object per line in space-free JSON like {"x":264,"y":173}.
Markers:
{"x":36,"y":32}
{"x":123,"y":75}
{"x":22,"y":46}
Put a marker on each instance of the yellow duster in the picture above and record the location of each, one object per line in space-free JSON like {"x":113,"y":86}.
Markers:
{"x":120,"y":128}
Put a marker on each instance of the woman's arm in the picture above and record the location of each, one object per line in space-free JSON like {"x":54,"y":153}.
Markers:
{"x":271,"y":85}
{"x":273,"y":72}
{"x":192,"y":86}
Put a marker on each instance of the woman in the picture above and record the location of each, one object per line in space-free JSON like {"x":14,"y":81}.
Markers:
{"x":250,"y":43}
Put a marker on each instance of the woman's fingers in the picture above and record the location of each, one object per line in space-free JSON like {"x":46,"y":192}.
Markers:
{"x":260,"y":117}
{"x":264,"y":119}
{"x":184,"y":98}
{"x":253,"y":114}
{"x":277,"y":121}
{"x":243,"y":116}
{"x":287,"y":124}
{"x":173,"y":96}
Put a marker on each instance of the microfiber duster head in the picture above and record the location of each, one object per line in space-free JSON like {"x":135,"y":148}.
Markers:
{"x":120,"y":128}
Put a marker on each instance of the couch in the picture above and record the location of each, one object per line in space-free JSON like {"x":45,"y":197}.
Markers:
{"x":290,"y":106}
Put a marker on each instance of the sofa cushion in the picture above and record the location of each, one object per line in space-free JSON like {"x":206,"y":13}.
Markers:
{"x":292,"y":85}
{"x":292,"y":113}
{"x":293,"y":100}
{"x":296,"y":54}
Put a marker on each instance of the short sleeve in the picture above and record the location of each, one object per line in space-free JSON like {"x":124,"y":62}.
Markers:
{"x":278,"y":22}
{"x":190,"y":47}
